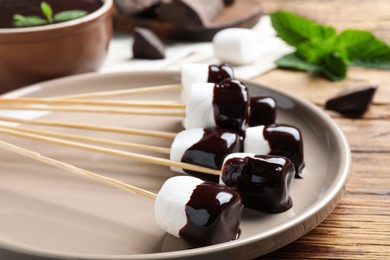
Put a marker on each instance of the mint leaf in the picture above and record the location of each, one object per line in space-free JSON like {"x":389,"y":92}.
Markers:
{"x":26,"y":21}
{"x":69,"y":15}
{"x":335,"y":66}
{"x":294,"y":61}
{"x":295,"y":30}
{"x":315,"y":51}
{"x":47,"y":11}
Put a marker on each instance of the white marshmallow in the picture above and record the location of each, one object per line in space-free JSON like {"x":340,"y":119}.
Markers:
{"x":170,"y":204}
{"x":255,"y":142}
{"x":237,"y":46}
{"x":184,"y":140}
{"x":190,"y":74}
{"x":199,"y":109}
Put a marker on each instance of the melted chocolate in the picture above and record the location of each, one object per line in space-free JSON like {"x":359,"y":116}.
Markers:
{"x":230,"y":104}
{"x":285,"y":140}
{"x":213,"y":215}
{"x":263,"y":181}
{"x":352,"y":103}
{"x":262,"y":111}
{"x":211,"y":150}
{"x":218,"y":73}
{"x":32,"y":7}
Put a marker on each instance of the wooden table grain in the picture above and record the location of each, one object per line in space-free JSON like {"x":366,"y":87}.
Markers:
{"x":359,"y":227}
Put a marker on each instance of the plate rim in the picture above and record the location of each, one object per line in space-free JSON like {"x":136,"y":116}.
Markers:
{"x":327,"y":203}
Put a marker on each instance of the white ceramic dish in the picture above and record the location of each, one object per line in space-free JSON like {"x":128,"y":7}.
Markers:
{"x":46,"y":213}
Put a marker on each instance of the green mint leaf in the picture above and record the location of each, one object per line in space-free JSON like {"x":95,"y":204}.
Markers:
{"x":315,"y":51}
{"x":335,"y":66}
{"x":69,"y":15}
{"x":294,"y":61}
{"x":47,"y":11}
{"x":26,"y":21}
{"x":295,"y":30}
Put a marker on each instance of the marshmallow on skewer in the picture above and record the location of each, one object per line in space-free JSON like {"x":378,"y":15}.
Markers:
{"x":202,"y":73}
{"x":277,"y":139}
{"x":222,"y":105}
{"x":263,"y":181}
{"x":205,"y":147}
{"x":262,"y":111}
{"x":201,"y":213}
{"x":237,"y":46}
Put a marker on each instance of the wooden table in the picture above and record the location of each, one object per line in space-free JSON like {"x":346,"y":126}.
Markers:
{"x":359,"y":228}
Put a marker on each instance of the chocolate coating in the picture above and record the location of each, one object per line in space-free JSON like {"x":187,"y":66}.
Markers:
{"x":213,"y":215}
{"x":147,"y":45}
{"x":218,"y":73}
{"x":211,"y":150}
{"x":230,"y":104}
{"x":263,"y":181}
{"x":285,"y":140}
{"x":262,"y":111}
{"x":353,"y":102}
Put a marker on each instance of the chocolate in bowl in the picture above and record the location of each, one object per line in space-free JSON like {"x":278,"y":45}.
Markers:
{"x":33,"y":54}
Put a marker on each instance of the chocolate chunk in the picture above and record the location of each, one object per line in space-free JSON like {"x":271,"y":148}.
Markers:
{"x":147,"y":45}
{"x":187,"y":13}
{"x":263,"y":181}
{"x":228,"y":2}
{"x":352,"y":103}
{"x":132,"y":7}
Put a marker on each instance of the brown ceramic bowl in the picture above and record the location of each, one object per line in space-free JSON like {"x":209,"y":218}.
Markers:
{"x":33,"y":54}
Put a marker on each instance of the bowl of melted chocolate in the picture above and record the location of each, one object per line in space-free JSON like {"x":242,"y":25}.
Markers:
{"x":34,"y":53}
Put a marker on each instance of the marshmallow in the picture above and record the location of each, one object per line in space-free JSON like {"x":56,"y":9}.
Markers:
{"x":202,"y":73}
{"x":237,"y":46}
{"x":263,"y":181}
{"x":204,"y":147}
{"x":217,"y":105}
{"x":201,"y":213}
{"x":282,"y":140}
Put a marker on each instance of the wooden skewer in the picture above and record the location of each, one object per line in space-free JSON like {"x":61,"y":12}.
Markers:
{"x":114,"y":103}
{"x":88,"y":139}
{"x":123,"y":154}
{"x":120,"y":130}
{"x":68,"y":167}
{"x":94,"y":110}
{"x":123,"y":92}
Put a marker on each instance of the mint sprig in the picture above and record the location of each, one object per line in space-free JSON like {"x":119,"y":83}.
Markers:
{"x":48,"y":17}
{"x":320,"y":50}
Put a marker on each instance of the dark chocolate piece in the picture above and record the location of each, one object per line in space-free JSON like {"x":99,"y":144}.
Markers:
{"x":132,"y":7}
{"x":211,"y":150}
{"x":230,"y":104}
{"x":352,"y":103}
{"x":147,"y":45}
{"x":263,"y":181}
{"x":262,"y":111}
{"x":213,"y":215}
{"x":218,"y":73}
{"x":228,"y":2}
{"x":187,"y":13}
{"x":286,"y":140}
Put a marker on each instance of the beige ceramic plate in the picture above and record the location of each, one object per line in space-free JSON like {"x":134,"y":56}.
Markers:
{"x":49,"y":213}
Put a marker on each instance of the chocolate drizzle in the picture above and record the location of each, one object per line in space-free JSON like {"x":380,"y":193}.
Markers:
{"x":230,"y":104}
{"x":218,"y":73}
{"x":213,"y":215}
{"x":211,"y":150}
{"x":262,"y":111}
{"x":263,"y":181}
{"x":285,"y":140}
